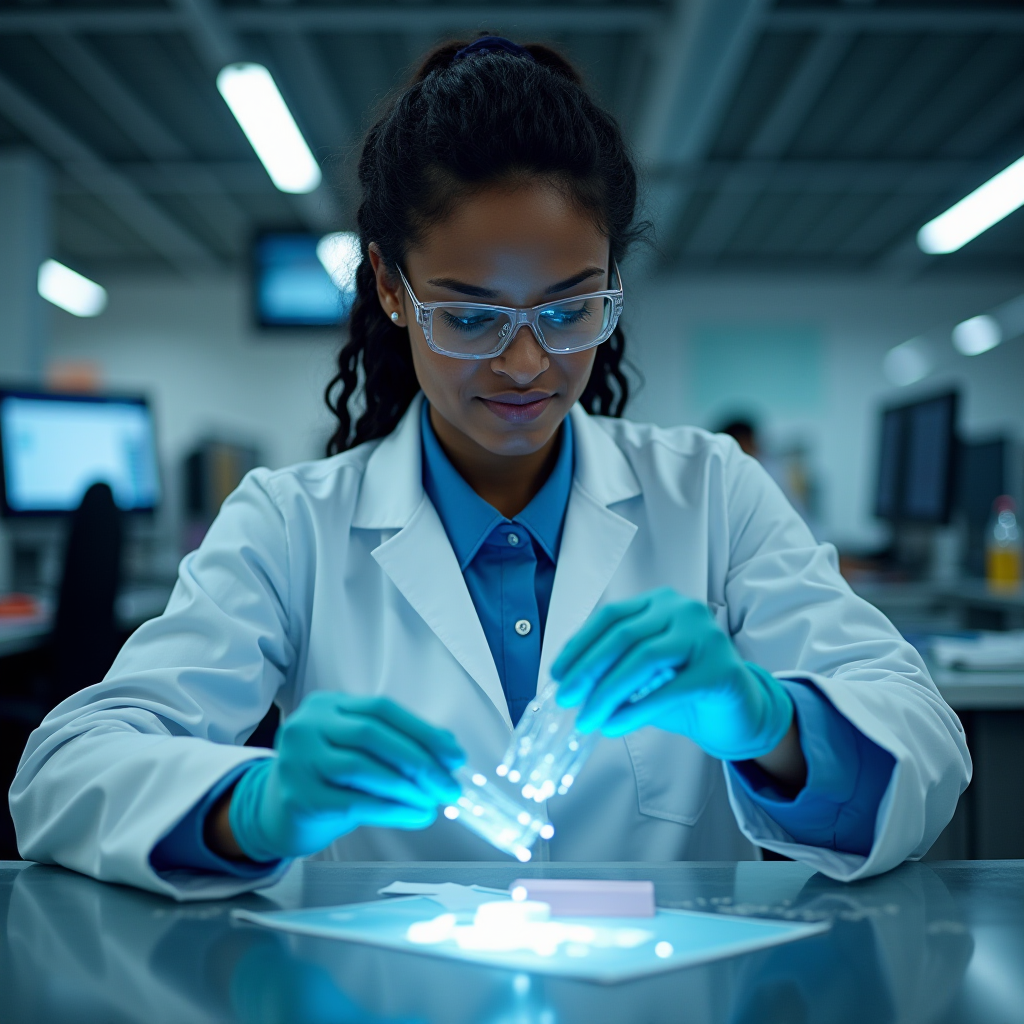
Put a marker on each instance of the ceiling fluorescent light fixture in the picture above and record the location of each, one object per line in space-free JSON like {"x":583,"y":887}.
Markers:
{"x":70,"y":290}
{"x":908,"y":363}
{"x":977,"y":335}
{"x":252,"y":95}
{"x":986,"y":205}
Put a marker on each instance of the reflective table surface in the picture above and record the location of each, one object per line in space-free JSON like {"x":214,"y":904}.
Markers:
{"x":926,"y":942}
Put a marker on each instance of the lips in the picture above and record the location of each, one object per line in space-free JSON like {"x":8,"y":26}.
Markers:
{"x":518,"y":407}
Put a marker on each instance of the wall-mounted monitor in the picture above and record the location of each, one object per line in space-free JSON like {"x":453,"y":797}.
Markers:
{"x":54,"y":447}
{"x":304,"y":280}
{"x":917,"y":459}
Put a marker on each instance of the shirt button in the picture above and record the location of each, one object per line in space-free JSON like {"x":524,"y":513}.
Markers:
{"x":523,"y":627}
{"x":513,"y":539}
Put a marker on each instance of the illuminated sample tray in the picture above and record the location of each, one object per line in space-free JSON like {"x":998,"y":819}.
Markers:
{"x":672,"y":939}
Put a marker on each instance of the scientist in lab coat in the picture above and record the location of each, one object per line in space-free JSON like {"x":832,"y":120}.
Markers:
{"x":487,"y":523}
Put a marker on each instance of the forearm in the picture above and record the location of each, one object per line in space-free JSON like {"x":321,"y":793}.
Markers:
{"x":786,"y":763}
{"x":217,"y":833}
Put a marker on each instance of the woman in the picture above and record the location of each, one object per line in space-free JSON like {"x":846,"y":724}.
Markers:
{"x":402,"y":599}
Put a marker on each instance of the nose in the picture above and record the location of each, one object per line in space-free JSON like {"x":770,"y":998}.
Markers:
{"x":524,"y":360}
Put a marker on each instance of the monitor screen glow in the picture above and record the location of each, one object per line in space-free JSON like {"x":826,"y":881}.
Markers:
{"x":292,"y":288}
{"x":55,"y":447}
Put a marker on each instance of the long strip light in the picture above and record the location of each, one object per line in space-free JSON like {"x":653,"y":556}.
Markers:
{"x":71,"y":291}
{"x":977,"y":335}
{"x":986,"y":205}
{"x":253,"y":97}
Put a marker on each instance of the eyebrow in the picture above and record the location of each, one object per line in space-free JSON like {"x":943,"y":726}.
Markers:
{"x":489,"y":293}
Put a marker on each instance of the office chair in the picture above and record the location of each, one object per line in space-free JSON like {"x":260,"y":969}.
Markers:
{"x":84,"y":639}
{"x":83,"y":642}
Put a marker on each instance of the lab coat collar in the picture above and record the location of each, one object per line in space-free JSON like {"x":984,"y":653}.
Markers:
{"x":392,"y":486}
{"x":601,"y":469}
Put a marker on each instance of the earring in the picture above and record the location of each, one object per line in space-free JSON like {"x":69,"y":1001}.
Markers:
{"x":394,"y":316}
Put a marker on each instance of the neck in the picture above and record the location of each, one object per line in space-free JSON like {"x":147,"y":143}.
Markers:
{"x":506,"y":482}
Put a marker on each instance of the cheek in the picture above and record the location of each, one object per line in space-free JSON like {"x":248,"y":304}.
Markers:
{"x":441,"y":378}
{"x":576,"y":370}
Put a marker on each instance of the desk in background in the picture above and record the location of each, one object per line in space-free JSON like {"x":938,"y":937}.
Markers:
{"x":989,"y":821}
{"x":135,"y":604}
{"x":939,"y":943}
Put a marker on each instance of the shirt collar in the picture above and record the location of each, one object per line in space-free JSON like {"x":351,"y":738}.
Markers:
{"x":469,"y":520}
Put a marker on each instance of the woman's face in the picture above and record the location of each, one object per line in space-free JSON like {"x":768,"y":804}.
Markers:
{"x":513,"y":247}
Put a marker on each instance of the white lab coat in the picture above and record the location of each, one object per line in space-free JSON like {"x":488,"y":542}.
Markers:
{"x":338,"y":574}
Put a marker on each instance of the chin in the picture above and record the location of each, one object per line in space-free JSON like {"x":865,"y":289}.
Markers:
{"x":520,"y":438}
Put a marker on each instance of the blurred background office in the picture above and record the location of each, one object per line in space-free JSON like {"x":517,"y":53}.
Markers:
{"x":176,"y":256}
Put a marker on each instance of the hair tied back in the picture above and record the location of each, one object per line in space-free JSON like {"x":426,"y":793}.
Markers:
{"x":493,"y":44}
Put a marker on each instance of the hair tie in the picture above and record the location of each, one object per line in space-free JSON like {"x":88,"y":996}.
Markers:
{"x":493,"y":44}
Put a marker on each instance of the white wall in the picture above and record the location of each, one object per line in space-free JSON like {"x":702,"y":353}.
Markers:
{"x":859,"y":321}
{"x":192,"y":348}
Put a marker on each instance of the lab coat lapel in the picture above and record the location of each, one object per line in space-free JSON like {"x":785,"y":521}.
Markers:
{"x":594,"y":539}
{"x":417,"y":555}
{"x":420,"y":561}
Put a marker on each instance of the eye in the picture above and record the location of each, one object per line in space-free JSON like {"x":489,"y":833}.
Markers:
{"x":466,"y":322}
{"x":564,"y":316}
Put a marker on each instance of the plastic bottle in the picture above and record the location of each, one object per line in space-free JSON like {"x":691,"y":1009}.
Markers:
{"x":1004,"y":554}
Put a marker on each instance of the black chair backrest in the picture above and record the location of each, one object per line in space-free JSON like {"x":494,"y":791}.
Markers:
{"x":85,"y":634}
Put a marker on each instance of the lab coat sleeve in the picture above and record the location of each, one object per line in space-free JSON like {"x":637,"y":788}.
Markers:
{"x":791,"y":612}
{"x":116,"y":766}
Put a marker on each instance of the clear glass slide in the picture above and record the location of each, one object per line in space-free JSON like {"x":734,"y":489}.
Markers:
{"x":546,"y":752}
{"x":496,"y":816}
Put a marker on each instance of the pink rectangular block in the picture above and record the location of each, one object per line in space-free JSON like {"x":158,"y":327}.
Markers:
{"x":587,"y":897}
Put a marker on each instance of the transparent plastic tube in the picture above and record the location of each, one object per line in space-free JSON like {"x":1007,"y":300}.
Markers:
{"x":495,"y":816}
{"x":546,"y":752}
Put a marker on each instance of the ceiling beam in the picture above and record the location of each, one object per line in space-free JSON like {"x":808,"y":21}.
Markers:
{"x":190,"y":177}
{"x":301,"y":64}
{"x":142,"y":127}
{"x":116,"y":100}
{"x":941,"y":20}
{"x":214,"y":39}
{"x":836,"y":175}
{"x":739,"y":192}
{"x":586,"y":19}
{"x":140,"y":214}
{"x":700,"y":60}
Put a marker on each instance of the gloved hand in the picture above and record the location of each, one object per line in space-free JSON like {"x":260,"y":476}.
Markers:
{"x":342,"y":762}
{"x":660,"y":659}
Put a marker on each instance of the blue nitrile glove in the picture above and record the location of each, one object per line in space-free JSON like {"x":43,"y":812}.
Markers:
{"x":342,"y":762}
{"x":660,"y":659}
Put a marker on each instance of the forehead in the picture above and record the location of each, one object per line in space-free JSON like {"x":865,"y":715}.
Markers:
{"x":502,"y":228}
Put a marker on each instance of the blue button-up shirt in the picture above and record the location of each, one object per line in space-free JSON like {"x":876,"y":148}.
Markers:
{"x":509,"y":569}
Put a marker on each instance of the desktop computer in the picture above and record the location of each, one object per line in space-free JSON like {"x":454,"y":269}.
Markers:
{"x":53,"y":447}
{"x":917,"y":475}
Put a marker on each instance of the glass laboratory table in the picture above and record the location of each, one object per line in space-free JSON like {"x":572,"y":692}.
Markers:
{"x":926,"y":942}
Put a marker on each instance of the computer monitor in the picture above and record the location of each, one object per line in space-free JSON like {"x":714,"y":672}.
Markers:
{"x":54,"y":447}
{"x":917,"y":461}
{"x":291,"y":286}
{"x":982,"y":478}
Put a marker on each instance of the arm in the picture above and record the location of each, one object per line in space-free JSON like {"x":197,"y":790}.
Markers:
{"x":116,"y":767}
{"x":791,"y":612}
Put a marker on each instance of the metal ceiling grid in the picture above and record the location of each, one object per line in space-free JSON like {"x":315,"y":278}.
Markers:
{"x":795,"y":134}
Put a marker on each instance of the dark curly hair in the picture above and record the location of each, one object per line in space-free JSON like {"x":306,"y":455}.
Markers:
{"x":461,"y":125}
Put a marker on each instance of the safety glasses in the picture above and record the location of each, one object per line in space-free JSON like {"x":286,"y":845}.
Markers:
{"x":473,"y":330}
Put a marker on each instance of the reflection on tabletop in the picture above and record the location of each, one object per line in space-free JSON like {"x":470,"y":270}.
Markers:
{"x":899,"y":950}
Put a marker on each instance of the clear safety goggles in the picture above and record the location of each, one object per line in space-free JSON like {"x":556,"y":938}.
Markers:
{"x":474,"y":330}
